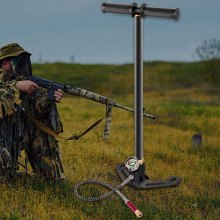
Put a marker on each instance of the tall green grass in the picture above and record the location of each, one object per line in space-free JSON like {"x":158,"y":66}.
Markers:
{"x":181,"y":109}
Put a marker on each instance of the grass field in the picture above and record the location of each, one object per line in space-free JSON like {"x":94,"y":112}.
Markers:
{"x":181,"y":107}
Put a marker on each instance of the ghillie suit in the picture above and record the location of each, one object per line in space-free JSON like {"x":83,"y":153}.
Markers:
{"x":17,"y":130}
{"x":6,"y":171}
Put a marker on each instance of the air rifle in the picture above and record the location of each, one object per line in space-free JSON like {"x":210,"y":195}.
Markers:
{"x":52,"y":86}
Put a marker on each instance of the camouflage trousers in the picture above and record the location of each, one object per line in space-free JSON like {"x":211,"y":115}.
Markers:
{"x":6,"y":170}
{"x":43,"y":155}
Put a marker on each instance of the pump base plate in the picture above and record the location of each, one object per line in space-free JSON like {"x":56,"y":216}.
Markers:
{"x":142,"y":181}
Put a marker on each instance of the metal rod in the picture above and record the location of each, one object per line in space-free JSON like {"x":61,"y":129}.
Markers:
{"x":138,"y":85}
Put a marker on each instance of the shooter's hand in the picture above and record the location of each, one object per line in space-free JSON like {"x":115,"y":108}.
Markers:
{"x":58,"y":95}
{"x":26,"y":86}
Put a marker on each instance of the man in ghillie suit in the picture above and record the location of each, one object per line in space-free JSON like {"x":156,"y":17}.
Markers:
{"x":18,"y":98}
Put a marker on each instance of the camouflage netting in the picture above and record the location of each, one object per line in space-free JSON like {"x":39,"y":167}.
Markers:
{"x":6,"y":171}
{"x":9,"y":98}
{"x":19,"y":133}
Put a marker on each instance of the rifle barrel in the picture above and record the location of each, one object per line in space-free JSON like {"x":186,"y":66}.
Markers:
{"x":101,"y":99}
{"x":132,"y":110}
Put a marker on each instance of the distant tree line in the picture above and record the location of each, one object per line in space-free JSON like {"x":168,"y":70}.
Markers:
{"x":209,"y":52}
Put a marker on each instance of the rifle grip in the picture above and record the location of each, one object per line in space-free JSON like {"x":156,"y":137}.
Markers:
{"x":50,"y":95}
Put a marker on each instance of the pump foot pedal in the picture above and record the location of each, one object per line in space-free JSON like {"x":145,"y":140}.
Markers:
{"x":142,"y":181}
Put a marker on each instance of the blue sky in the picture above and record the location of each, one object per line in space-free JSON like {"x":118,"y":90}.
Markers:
{"x":55,"y":30}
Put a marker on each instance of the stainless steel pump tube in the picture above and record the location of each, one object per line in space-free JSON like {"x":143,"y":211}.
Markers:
{"x":138,"y":86}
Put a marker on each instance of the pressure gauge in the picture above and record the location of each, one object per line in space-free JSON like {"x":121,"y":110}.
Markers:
{"x":132,"y":164}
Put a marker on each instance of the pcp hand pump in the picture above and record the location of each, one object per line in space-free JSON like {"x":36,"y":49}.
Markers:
{"x":139,"y":13}
{"x":132,"y":172}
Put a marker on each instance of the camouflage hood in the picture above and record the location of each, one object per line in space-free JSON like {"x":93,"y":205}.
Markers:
{"x":20,"y":61}
{"x":21,"y":66}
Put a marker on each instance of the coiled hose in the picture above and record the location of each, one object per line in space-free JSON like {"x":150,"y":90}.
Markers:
{"x":104,"y":196}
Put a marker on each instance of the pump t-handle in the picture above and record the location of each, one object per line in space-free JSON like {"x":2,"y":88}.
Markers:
{"x":143,"y":10}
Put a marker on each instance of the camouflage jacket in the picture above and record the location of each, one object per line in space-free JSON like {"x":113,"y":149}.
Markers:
{"x":16,"y":128}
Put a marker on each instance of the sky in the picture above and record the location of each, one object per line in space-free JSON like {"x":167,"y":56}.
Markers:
{"x":77,"y":30}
